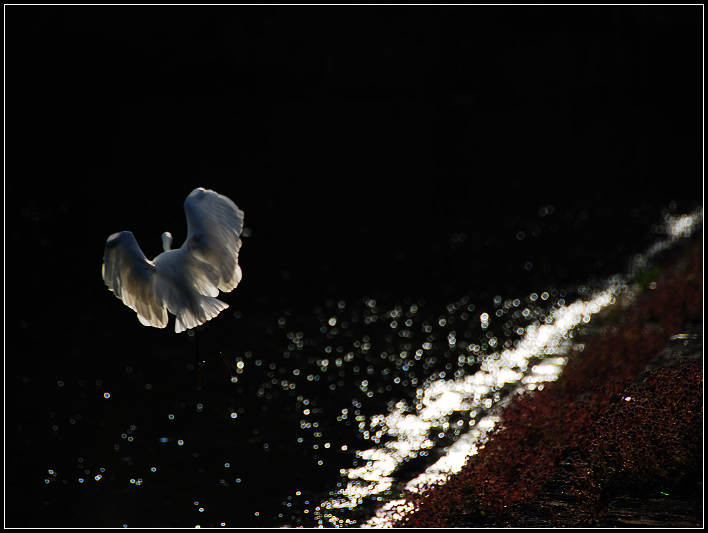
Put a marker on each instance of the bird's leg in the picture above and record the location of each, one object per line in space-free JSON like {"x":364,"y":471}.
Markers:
{"x":197,"y":361}
{"x":229,"y":366}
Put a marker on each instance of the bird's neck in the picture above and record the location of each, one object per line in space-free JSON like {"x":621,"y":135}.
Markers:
{"x":166,"y":242}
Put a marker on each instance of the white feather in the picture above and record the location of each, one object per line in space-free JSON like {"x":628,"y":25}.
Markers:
{"x":185,"y":281}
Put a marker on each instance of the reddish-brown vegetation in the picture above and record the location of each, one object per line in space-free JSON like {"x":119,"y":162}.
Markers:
{"x":583,"y":425}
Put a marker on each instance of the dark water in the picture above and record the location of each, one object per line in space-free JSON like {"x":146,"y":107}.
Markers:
{"x":108,"y":428}
{"x":402,"y":172}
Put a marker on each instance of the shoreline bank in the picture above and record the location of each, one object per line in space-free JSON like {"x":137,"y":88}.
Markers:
{"x":614,"y":441}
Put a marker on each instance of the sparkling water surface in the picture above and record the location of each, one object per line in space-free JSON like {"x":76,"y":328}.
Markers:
{"x":311,"y":419}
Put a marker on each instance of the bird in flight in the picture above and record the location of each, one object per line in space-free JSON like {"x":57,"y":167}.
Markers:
{"x":185,"y":281}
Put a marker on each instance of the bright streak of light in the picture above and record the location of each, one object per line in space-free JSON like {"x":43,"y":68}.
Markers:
{"x":408,"y":427}
{"x":439,"y":400}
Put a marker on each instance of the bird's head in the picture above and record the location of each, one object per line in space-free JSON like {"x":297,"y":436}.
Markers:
{"x":167,"y":241}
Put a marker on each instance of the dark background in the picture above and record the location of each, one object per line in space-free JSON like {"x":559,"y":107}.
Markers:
{"x":374,"y":150}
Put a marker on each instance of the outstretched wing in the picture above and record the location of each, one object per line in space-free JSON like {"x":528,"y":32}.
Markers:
{"x":214,"y":225}
{"x":128,"y":273}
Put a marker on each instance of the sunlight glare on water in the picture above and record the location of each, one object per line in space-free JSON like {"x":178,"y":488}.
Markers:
{"x":348,"y":406}
{"x":409,"y":428}
{"x":539,"y":357}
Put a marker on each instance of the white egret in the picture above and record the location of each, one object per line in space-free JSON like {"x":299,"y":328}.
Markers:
{"x":184,"y":281}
